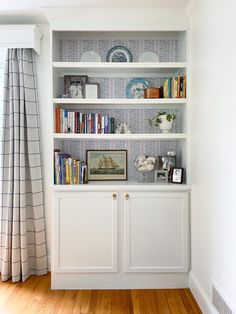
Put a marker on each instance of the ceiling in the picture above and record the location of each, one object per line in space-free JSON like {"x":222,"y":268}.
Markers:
{"x":28,"y":11}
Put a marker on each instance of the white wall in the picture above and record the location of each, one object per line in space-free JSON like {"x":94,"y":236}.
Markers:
{"x":43,"y":69}
{"x":213,"y":147}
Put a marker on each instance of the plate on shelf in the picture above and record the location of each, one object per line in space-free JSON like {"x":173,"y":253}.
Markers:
{"x":119,"y":54}
{"x":135,"y":88}
{"x":90,"y":56}
{"x":148,"y":56}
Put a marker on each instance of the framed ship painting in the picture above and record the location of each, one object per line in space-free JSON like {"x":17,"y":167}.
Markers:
{"x":107,"y":165}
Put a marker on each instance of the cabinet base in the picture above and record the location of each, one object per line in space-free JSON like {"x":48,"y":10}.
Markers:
{"x":127,"y":281}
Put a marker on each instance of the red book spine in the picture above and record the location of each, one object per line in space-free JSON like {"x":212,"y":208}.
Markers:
{"x":58,"y":119}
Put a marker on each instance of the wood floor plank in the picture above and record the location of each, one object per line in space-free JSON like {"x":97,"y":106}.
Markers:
{"x":36,"y":297}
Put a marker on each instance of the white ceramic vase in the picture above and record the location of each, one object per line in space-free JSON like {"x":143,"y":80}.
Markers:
{"x":165,"y":125}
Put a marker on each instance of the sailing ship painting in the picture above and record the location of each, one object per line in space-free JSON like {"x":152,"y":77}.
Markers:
{"x":107,"y":164}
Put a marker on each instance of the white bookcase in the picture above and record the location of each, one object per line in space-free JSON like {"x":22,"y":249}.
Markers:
{"x":116,"y":231}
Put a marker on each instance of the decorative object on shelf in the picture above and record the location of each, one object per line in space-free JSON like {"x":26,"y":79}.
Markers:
{"x":145,"y":164}
{"x":107,"y":165}
{"x":122,"y":128}
{"x":90,"y":56}
{"x":74,"y":85}
{"x":119,"y":54}
{"x":148,"y":56}
{"x":167,"y":162}
{"x":91,"y":90}
{"x":177,"y":175}
{"x":161,"y":176}
{"x":135,"y":88}
{"x":163,"y":120}
{"x":152,"y":92}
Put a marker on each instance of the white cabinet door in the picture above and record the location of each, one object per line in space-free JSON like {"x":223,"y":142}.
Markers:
{"x":156,"y":232}
{"x":85,"y":232}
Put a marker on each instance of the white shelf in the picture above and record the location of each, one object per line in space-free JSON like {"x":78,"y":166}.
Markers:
{"x":105,"y":101}
{"x":160,"y":136}
{"x":121,"y":185}
{"x":172,"y":68}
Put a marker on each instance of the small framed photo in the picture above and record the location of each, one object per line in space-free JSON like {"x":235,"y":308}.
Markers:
{"x":161,"y":176}
{"x":91,"y":91}
{"x":107,"y":165}
{"x":177,"y":175}
{"x":75,"y":85}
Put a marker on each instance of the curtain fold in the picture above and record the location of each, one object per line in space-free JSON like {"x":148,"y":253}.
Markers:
{"x":23,"y":242}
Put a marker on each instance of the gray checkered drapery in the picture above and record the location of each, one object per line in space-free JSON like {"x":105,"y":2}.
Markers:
{"x":23,"y":243}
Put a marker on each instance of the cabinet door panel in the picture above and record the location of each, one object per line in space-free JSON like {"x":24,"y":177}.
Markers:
{"x":156,"y":232}
{"x":86,"y":232}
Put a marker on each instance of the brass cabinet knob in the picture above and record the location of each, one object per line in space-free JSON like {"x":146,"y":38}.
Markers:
{"x":126,"y":196}
{"x":114,"y":196}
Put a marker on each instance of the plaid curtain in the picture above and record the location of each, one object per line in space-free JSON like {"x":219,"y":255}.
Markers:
{"x":23,"y":243}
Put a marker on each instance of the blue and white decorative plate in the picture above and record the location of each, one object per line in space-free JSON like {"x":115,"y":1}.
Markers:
{"x":119,"y":54}
{"x":135,"y":88}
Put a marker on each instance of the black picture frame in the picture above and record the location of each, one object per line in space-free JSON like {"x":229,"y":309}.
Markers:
{"x":177,"y":177}
{"x":76,"y":81}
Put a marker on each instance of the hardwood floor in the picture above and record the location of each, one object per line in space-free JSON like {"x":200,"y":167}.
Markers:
{"x":35,"y":296}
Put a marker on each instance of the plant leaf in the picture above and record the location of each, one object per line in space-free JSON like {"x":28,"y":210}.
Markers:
{"x":169,"y":117}
{"x":158,"y":121}
{"x":173,"y":116}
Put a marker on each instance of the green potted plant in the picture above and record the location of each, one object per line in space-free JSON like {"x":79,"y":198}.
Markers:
{"x":164,"y":120}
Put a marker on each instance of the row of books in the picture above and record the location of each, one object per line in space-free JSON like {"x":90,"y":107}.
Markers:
{"x":174,"y":87}
{"x":85,"y":123}
{"x":69,"y":170}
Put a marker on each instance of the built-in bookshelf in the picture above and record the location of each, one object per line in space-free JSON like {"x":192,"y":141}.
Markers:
{"x":113,"y":78}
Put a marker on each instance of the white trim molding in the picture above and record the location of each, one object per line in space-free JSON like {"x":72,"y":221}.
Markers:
{"x":191,"y":5}
{"x":115,"y":19}
{"x":20,"y":36}
{"x":199,"y":294}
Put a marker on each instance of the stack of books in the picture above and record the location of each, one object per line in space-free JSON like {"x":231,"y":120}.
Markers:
{"x":174,"y":87}
{"x":69,"y":170}
{"x":85,"y":123}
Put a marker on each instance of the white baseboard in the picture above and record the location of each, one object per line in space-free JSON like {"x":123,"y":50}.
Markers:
{"x":199,"y":294}
{"x":118,"y":281}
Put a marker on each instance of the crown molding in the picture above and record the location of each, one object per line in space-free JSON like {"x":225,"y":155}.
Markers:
{"x":119,"y":18}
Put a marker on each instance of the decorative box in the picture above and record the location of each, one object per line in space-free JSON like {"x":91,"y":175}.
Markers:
{"x":152,"y":92}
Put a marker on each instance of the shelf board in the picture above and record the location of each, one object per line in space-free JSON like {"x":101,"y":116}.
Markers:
{"x":172,"y":68}
{"x":159,"y":136}
{"x":105,"y":101}
{"x":121,"y":185}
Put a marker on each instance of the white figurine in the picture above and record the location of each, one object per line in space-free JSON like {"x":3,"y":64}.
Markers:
{"x":126,"y":128}
{"x":122,"y":128}
{"x":118,"y":128}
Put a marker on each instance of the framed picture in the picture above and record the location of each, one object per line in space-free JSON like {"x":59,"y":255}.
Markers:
{"x":161,"y":176}
{"x":91,"y":91}
{"x":75,"y":85}
{"x":177,"y":175}
{"x":107,"y":165}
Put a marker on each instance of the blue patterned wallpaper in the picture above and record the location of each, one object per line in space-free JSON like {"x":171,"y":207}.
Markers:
{"x":72,"y":49}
